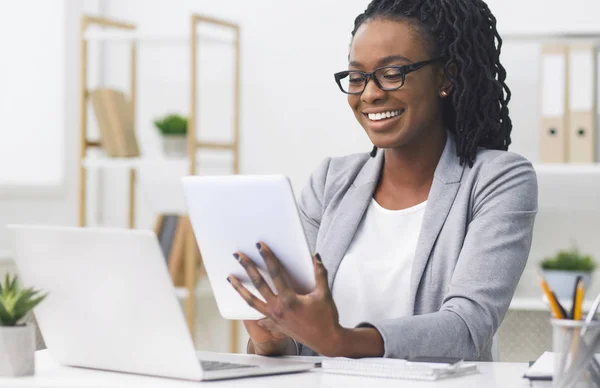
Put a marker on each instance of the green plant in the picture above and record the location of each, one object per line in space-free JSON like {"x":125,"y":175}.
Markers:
{"x":172,"y":124}
{"x":16,"y":302}
{"x":569,"y":260}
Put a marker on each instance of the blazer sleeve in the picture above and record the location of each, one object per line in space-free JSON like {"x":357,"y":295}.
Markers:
{"x":490,"y":264}
{"x":311,"y":203}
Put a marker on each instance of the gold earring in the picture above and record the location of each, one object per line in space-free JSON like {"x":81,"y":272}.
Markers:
{"x":443,"y":94}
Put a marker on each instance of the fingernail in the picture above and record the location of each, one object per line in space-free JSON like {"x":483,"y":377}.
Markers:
{"x":318,"y":257}
{"x":258,"y":245}
{"x":229,"y":280}
{"x":237,"y":257}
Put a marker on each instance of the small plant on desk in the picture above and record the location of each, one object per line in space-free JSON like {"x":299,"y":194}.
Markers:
{"x":562,"y":269}
{"x":18,"y":338}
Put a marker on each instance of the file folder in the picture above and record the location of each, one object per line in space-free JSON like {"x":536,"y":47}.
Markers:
{"x":582,"y":103}
{"x":554,"y":96}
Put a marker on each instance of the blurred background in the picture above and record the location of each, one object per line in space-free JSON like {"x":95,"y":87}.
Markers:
{"x":74,"y":70}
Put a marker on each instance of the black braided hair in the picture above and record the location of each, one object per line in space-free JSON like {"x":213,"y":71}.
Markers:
{"x":463,"y":33}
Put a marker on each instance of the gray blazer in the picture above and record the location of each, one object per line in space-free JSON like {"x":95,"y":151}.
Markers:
{"x":474,"y":242}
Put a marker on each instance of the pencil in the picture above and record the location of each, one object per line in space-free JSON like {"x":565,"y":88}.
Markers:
{"x":578,"y":300}
{"x":574,"y":298}
{"x":563,"y":312}
{"x":549,"y":295}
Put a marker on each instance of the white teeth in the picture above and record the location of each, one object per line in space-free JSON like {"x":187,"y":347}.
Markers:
{"x":383,"y":115}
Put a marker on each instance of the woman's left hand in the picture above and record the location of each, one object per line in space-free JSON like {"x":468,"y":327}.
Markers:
{"x":311,"y":319}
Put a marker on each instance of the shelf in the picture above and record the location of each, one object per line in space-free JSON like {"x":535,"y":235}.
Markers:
{"x":103,"y":162}
{"x":540,"y":304}
{"x":144,"y":38}
{"x":551,"y":37}
{"x":136,"y":163}
{"x":568,"y":169}
{"x":202,"y":290}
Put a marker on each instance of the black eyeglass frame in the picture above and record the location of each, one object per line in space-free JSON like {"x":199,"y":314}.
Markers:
{"x":404,"y":70}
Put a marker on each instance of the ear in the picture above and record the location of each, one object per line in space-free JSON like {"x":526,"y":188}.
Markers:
{"x":445,"y":84}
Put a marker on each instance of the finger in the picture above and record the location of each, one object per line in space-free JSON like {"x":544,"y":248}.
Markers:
{"x":252,"y":300}
{"x":320,"y":274}
{"x":276,"y":271}
{"x":255,"y":276}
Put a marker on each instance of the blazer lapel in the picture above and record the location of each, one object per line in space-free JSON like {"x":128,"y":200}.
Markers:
{"x":349,"y":215}
{"x":444,"y":188}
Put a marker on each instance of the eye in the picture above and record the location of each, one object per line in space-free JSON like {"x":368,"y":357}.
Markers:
{"x":356,"y":78}
{"x":392,"y":74}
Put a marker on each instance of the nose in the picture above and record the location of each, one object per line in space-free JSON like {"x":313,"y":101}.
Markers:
{"x":372,"y":92}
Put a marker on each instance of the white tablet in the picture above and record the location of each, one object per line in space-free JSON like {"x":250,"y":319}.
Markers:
{"x":232,"y":213}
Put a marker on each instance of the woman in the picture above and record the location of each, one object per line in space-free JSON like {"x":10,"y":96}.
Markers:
{"x":422,"y":242}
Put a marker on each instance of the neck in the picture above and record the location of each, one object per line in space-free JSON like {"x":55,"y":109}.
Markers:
{"x":412,"y":167}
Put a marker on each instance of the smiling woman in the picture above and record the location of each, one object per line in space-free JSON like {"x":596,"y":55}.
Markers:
{"x":420,"y":244}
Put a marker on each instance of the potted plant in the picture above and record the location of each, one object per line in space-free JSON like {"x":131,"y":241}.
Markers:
{"x":173,"y":128}
{"x":562,"y":270}
{"x":17,"y":340}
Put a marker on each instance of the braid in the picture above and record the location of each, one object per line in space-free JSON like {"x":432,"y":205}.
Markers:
{"x":463,"y":33}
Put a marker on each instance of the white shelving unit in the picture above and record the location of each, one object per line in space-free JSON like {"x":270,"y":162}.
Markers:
{"x":102,"y":30}
{"x":540,"y":304}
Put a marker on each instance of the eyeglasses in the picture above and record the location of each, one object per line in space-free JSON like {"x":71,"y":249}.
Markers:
{"x":387,"y":78}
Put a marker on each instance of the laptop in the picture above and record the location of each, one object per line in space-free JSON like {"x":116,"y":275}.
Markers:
{"x":112,"y":306}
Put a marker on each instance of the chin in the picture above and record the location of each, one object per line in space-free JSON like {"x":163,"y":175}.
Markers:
{"x":394,"y":139}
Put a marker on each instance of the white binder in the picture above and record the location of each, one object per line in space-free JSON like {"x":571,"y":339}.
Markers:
{"x":554,"y":97}
{"x":583,"y":85}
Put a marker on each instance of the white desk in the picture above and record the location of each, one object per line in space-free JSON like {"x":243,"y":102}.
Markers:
{"x":49,"y":374}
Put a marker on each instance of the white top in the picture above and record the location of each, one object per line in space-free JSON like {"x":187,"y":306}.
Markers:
{"x":373,"y":280}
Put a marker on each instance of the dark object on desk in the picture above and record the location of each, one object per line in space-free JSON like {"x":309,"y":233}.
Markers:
{"x":435,"y":360}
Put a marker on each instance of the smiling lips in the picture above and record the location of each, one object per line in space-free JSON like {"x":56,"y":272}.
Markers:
{"x":384,"y":115}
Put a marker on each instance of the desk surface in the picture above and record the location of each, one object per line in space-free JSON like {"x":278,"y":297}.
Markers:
{"x":50,"y":374}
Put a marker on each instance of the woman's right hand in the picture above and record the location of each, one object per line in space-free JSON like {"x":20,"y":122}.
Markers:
{"x":267,"y":340}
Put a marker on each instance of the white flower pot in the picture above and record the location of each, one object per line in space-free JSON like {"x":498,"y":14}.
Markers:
{"x":17,"y":350}
{"x":563,"y":282}
{"x":175,"y":145}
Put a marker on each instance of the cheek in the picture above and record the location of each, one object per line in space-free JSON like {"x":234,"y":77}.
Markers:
{"x":353,"y":101}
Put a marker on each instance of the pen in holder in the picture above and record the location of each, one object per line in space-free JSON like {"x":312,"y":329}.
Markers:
{"x":574,"y":363}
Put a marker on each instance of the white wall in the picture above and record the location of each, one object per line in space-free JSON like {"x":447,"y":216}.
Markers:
{"x":41,"y":58}
{"x":33,"y":80}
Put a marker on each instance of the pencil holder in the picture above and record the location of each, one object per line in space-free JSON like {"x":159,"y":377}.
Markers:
{"x":574,"y":344}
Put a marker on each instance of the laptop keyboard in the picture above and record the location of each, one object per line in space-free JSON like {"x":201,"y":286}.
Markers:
{"x":217,"y":365}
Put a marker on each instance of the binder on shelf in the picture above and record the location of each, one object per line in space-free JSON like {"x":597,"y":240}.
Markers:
{"x":115,"y":122}
{"x":582,"y":83}
{"x":171,"y":231}
{"x":554,"y":96}
{"x":107,"y":139}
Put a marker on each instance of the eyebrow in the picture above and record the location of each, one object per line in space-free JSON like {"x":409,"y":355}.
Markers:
{"x":384,"y":61}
